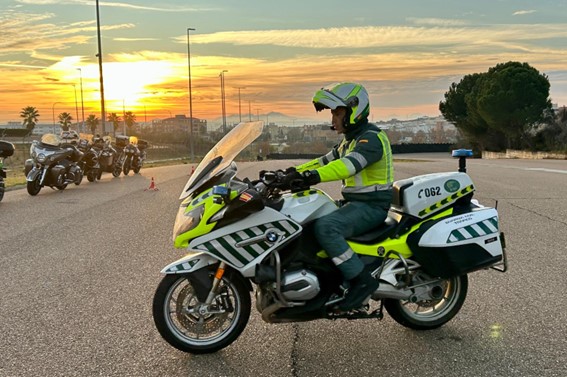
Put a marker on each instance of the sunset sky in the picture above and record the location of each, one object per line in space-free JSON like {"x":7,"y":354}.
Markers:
{"x":406,"y":53}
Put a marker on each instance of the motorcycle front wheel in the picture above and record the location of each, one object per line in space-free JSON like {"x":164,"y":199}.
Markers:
{"x":127,"y":164}
{"x":117,"y":170}
{"x":430,"y":314}
{"x":192,"y":326}
{"x":34,"y":187}
{"x":1,"y":189}
{"x":91,"y":175}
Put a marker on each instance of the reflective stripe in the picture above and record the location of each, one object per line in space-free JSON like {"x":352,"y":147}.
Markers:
{"x":340,"y":259}
{"x":326,"y":158}
{"x":363,"y":189}
{"x":360,"y":158}
{"x":349,"y":165}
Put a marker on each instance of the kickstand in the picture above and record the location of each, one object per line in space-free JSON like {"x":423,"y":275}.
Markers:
{"x":379,"y":313}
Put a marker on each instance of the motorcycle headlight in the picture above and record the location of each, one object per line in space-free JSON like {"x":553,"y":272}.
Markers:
{"x":186,"y":221}
{"x":41,"y":158}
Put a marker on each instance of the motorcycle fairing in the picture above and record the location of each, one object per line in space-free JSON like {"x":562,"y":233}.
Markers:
{"x":203,"y":219}
{"x":308,"y":205}
{"x":189,"y":263}
{"x":246,"y":243}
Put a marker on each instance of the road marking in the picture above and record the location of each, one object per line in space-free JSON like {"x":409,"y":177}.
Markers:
{"x":548,"y":170}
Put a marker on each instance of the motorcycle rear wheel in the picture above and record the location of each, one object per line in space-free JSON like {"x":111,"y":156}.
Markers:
{"x":2,"y":189}
{"x":430,"y":314}
{"x":179,"y":321}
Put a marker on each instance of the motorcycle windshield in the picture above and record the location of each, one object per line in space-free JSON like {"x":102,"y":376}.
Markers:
{"x":51,"y":139}
{"x":219,"y":158}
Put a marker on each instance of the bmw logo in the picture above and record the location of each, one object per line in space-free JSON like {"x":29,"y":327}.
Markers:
{"x":272,"y":236}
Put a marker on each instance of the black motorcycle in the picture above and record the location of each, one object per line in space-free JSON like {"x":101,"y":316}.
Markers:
{"x":6,"y":150}
{"x":52,"y":164}
{"x":106,"y":155}
{"x":132,"y":155}
{"x":121,"y":144}
{"x":90,"y":161}
{"x":139,"y":162}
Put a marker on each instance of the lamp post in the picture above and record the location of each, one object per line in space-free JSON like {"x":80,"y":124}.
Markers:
{"x":53,"y":113}
{"x":223,"y":108}
{"x":99,"y":55}
{"x":190,"y":95}
{"x":249,"y":111}
{"x":82,"y":102}
{"x":239,"y":108}
{"x":76,"y":107}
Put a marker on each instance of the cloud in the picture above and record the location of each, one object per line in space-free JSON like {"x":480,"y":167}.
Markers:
{"x":436,"y":21}
{"x":134,"y":39}
{"x":522,"y":12}
{"x":91,"y":3}
{"x":385,"y":36}
{"x":27,"y":33}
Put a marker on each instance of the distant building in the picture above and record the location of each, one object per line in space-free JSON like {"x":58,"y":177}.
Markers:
{"x":179,"y":123}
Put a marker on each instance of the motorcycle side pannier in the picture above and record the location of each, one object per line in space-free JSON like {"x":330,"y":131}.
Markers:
{"x":6,"y":149}
{"x":471,"y":241}
{"x":122,"y":141}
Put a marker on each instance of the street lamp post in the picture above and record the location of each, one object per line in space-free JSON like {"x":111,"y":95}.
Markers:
{"x":190,"y":95}
{"x":223,"y":108}
{"x":82,"y":102}
{"x":76,"y":107}
{"x":99,"y":55}
{"x":239,"y":108}
{"x":53,"y":113}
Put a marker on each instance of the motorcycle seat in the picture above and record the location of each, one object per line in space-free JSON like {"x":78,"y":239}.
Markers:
{"x":378,"y":234}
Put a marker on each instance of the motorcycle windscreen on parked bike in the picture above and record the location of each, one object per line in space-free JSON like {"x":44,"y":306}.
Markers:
{"x":51,"y":139}
{"x":222,"y":154}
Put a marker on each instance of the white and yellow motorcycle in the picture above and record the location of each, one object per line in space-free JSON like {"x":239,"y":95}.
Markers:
{"x":242,"y":233}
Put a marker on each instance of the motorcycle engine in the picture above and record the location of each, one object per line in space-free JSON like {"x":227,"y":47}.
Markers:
{"x":300,"y":285}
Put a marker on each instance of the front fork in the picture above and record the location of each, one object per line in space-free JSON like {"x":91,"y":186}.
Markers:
{"x":216,"y":281}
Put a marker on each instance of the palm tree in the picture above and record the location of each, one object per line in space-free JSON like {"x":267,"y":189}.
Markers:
{"x":114,"y":119}
{"x":92,"y":122}
{"x":130,"y":120}
{"x":65,"y":121}
{"x":30,"y":115}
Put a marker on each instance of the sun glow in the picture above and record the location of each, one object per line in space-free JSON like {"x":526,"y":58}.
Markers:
{"x":132,"y":81}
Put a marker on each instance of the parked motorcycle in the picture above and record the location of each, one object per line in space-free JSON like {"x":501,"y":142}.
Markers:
{"x":6,"y":150}
{"x":242,"y":232}
{"x":52,"y":164}
{"x":121,"y":143}
{"x":132,"y":155}
{"x":139,"y":162}
{"x":107,"y":155}
{"x":89,"y":163}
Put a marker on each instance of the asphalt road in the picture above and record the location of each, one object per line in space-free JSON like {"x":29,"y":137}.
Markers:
{"x":78,"y":270}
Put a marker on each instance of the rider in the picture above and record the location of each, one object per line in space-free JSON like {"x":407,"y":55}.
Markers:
{"x":363,"y":161}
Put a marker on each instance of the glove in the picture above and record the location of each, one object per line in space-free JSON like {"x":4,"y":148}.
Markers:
{"x":294,"y":180}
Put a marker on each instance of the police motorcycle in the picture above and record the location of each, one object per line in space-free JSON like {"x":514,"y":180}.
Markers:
{"x":120,"y":146}
{"x":90,"y":162}
{"x":54,"y":162}
{"x":6,"y":150}
{"x":240,"y":233}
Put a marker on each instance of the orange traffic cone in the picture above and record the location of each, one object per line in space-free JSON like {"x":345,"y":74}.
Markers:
{"x":152,"y":186}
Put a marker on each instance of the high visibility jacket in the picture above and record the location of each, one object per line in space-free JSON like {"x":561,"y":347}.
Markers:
{"x":363,"y":161}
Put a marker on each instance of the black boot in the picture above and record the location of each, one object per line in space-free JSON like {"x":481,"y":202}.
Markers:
{"x":361,"y":287}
